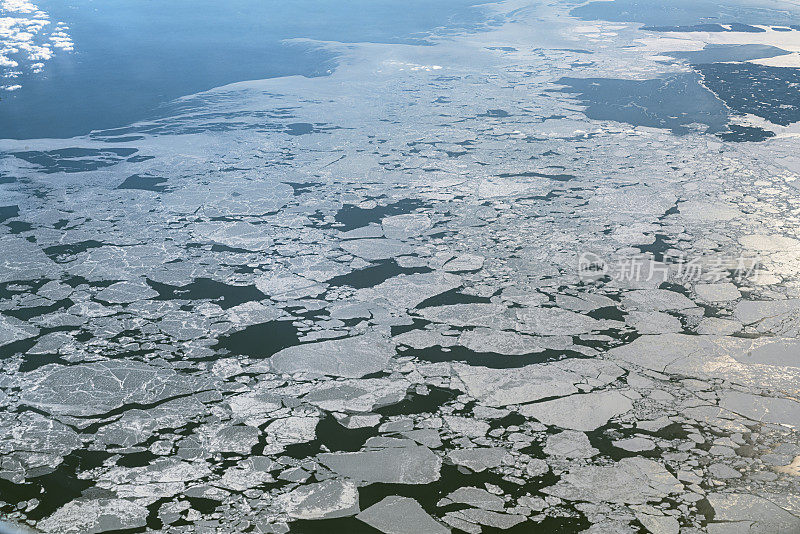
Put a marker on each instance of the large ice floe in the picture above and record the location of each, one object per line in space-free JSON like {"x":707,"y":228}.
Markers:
{"x":435,"y":291}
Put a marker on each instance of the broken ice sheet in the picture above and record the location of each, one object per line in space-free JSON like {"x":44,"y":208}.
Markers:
{"x":279,"y":336}
{"x":32,"y":445}
{"x":502,"y":387}
{"x":136,"y":426}
{"x":630,"y":481}
{"x":164,"y":477}
{"x":94,"y":389}
{"x":11,"y":332}
{"x":291,"y":430}
{"x":95,"y":516}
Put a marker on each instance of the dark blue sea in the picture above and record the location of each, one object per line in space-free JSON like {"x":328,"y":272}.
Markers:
{"x":131,"y":56}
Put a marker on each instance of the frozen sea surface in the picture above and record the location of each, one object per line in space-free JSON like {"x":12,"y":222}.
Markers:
{"x":536,"y":276}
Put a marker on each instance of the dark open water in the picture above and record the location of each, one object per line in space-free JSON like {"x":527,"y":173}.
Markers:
{"x":132,"y":55}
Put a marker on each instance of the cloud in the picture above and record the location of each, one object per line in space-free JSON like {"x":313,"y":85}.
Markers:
{"x":28,"y":39}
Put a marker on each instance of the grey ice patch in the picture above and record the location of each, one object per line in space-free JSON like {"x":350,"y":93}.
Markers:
{"x":758,"y":408}
{"x":363,"y":395}
{"x":165,"y":477}
{"x":475,"y":314}
{"x":325,"y":500}
{"x":653,"y":322}
{"x":631,"y":481}
{"x":635,"y":444}
{"x":350,"y":357}
{"x":243,"y":477}
{"x":406,"y":225}
{"x":477,"y":497}
{"x":781,"y":352}
{"x":480,"y":458}
{"x":94,"y":516}
{"x":763,"y":362}
{"x":557,"y":322}
{"x":136,"y":425}
{"x":396,"y":465}
{"x":96,"y":388}
{"x":503,"y":387}
{"x":377,"y":249}
{"x":408,"y":291}
{"x":238,"y":439}
{"x":464,"y":263}
{"x":287,"y":286}
{"x":698,"y":211}
{"x":722,"y":292}
{"x":570,"y":444}
{"x":12,"y":330}
{"x":746,"y":513}
{"x":489,"y":518}
{"x":424,"y":339}
{"x":400,"y":515}
{"x":289,"y":431}
{"x":22,"y":260}
{"x":499,"y":342}
{"x":580,"y":412}
{"x":126,"y":292}
{"x":717,"y":326}
{"x":657,"y":299}
{"x":780,"y":317}
{"x":32,"y":445}
{"x":658,"y":524}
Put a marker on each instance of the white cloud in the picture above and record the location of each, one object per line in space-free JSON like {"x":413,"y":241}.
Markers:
{"x":25,"y":42}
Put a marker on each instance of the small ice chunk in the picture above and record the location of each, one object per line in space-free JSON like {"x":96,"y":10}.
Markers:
{"x":479,"y":459}
{"x":405,"y":225}
{"x":477,"y":497}
{"x":570,"y":444}
{"x":722,"y":292}
{"x":636,"y":444}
